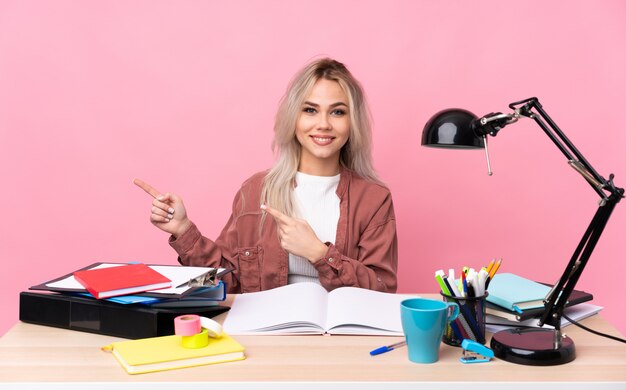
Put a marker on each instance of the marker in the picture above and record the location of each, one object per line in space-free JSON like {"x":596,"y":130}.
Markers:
{"x":451,"y":274}
{"x":387,"y":348}
{"x":448,"y":286}
{"x":482,"y":281}
{"x":471,"y":283}
{"x":453,"y":287}
{"x":439,"y":277}
{"x":464,"y":279}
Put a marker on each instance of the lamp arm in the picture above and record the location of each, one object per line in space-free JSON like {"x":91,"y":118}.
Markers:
{"x":573,"y":155}
{"x":556,"y":300}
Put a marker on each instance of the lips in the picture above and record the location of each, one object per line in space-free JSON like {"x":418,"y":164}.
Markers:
{"x":322,"y":140}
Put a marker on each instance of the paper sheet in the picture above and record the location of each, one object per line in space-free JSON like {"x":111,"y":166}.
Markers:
{"x":177,"y":274}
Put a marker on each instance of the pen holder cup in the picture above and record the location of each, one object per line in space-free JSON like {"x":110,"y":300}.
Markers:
{"x":470,"y":324}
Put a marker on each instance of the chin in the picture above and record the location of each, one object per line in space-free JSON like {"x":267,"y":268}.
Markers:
{"x":326,"y":155}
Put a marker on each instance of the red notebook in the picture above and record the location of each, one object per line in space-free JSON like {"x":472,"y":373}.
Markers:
{"x":121,"y":280}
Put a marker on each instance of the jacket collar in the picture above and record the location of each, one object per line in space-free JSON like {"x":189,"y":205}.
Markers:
{"x":344,"y":181}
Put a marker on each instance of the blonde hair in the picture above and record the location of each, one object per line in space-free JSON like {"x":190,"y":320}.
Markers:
{"x":356,"y":153}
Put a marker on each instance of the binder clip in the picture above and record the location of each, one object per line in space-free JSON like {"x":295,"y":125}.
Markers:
{"x":207,"y":279}
{"x":474,"y":352}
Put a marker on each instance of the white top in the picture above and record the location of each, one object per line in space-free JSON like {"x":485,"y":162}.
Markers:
{"x":317,"y":203}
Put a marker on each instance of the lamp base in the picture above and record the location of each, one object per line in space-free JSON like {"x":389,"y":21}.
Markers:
{"x":533,"y":347}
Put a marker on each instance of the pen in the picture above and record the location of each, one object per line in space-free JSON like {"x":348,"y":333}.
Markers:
{"x":387,"y":348}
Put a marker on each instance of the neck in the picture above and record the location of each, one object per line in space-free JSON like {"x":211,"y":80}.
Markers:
{"x":320,"y":168}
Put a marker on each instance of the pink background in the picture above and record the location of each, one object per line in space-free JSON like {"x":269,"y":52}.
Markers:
{"x":182,"y":94}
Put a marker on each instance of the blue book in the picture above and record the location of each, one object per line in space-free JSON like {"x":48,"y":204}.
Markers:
{"x":516,"y":293}
{"x":126,"y":299}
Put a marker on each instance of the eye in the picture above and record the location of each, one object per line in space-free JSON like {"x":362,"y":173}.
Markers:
{"x":309,"y":110}
{"x":339,"y":112}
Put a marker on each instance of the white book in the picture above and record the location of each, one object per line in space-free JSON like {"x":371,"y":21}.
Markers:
{"x":307,"y":308}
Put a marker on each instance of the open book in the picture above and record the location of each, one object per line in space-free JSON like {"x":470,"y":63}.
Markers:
{"x":308,"y":308}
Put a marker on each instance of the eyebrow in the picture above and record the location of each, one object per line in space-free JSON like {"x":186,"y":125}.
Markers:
{"x":332,"y":105}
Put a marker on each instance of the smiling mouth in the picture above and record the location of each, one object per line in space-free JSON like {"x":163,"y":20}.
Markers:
{"x":322,"y":140}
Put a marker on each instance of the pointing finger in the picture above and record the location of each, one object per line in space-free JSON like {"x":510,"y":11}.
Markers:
{"x":147,"y":187}
{"x":278,"y":216}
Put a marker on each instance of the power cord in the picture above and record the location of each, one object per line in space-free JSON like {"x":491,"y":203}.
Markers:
{"x":573,"y":322}
{"x":593,"y":331}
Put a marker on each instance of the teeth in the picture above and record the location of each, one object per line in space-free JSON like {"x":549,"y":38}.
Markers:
{"x":322,"y":139}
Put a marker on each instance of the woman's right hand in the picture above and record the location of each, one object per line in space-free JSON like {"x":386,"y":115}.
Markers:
{"x":168,"y":211}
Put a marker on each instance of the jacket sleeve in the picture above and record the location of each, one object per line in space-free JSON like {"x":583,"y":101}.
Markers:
{"x":376,"y":264}
{"x":196,"y":250}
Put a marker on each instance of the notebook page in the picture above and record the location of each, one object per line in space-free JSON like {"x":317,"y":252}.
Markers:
{"x":294,"y":308}
{"x":353,"y":310}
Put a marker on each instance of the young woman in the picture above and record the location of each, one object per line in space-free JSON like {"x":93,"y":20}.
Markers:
{"x":319,"y":215}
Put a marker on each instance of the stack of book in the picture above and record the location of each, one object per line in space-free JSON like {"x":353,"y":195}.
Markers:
{"x":517,"y":301}
{"x":139,"y":302}
{"x":125,"y":300}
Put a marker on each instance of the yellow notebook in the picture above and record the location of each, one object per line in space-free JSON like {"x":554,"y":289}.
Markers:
{"x":167,"y":353}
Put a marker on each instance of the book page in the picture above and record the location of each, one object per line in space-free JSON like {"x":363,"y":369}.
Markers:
{"x":295,"y":308}
{"x":353,"y":310}
{"x":71,"y":282}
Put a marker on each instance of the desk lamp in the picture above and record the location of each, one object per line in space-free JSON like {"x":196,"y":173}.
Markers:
{"x":460,"y":129}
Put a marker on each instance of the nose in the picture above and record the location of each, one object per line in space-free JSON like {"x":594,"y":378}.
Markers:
{"x":324,"y":123}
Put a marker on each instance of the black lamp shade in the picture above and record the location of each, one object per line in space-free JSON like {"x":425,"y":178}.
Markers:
{"x":452,"y":128}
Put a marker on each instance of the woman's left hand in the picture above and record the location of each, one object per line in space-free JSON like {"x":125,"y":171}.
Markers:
{"x":296,"y":236}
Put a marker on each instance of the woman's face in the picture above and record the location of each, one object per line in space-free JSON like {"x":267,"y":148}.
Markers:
{"x":323,"y":128}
